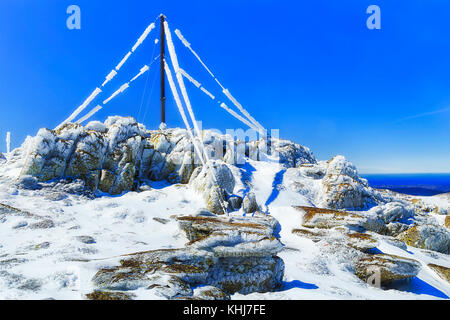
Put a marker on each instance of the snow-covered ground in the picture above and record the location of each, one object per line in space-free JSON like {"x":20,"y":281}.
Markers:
{"x":57,"y":242}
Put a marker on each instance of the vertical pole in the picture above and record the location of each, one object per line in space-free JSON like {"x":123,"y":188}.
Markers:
{"x":8,"y":142}
{"x":163,"y":75}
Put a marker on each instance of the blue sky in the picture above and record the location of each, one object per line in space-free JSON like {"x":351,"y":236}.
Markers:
{"x":311,"y":69}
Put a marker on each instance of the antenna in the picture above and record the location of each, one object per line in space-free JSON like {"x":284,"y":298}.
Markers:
{"x":8,"y":142}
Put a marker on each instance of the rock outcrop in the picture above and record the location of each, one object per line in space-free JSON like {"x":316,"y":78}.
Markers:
{"x":121,"y":154}
{"x":430,"y":237}
{"x":388,"y":268}
{"x":343,"y":188}
{"x":229,"y":255}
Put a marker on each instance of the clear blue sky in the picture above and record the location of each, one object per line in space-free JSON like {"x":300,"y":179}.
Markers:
{"x":308,"y":68}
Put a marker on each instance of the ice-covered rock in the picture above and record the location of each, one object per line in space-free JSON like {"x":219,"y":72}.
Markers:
{"x":249,"y":203}
{"x":216,"y":183}
{"x":430,"y":237}
{"x":232,"y":255}
{"x":387,"y":268}
{"x":343,"y":188}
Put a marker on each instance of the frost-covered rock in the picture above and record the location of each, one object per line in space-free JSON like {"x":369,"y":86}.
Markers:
{"x":231,"y":255}
{"x":2,"y":158}
{"x":388,"y":268}
{"x":430,"y":237}
{"x":343,"y":188}
{"x":249,"y":203}
{"x":215,"y":183}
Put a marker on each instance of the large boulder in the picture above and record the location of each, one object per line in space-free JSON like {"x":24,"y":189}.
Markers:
{"x":216,"y":183}
{"x":231,"y":255}
{"x":387,"y":268}
{"x":430,"y":237}
{"x":342,"y":188}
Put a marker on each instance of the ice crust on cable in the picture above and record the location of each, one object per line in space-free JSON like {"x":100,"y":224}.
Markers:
{"x":143,"y":36}
{"x":109,"y":77}
{"x":181,"y":110}
{"x":237,"y":116}
{"x":187,"y":76}
{"x":207,"y":93}
{"x":143,"y":70}
{"x":120,"y":90}
{"x":82,"y":107}
{"x":123,"y":61}
{"x":90,"y":114}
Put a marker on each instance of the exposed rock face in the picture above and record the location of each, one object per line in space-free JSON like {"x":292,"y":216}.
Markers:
{"x":231,"y":255}
{"x":343,"y":188}
{"x":447,"y":221}
{"x":120,"y":154}
{"x":443,"y":272}
{"x":216,"y":183}
{"x":249,"y":203}
{"x":430,"y":237}
{"x":388,"y":267}
{"x":2,"y":158}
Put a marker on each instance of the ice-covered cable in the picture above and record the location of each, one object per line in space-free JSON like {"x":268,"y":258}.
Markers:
{"x":181,"y":110}
{"x":143,"y":70}
{"x":187,"y":76}
{"x":225,"y":91}
{"x":179,"y":77}
{"x":175,"y":64}
{"x":122,"y":62}
{"x":90,"y":114}
{"x":109,"y":77}
{"x":120,"y":90}
{"x":239,"y":117}
{"x":82,"y":107}
{"x":239,"y":106}
{"x":188,"y":45}
{"x":208,"y":93}
{"x":143,"y":36}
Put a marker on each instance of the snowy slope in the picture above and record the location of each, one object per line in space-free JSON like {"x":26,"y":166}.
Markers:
{"x":59,"y":239}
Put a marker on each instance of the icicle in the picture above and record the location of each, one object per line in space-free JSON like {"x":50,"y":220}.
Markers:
{"x":143,"y":70}
{"x":120,"y":90}
{"x":90,"y":114}
{"x":186,"y":75}
{"x":181,"y":110}
{"x":8,"y":142}
{"x":82,"y":107}
{"x":143,"y":36}
{"x":109,"y":77}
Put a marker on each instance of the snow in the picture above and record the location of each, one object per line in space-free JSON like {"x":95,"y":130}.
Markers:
{"x":54,"y":263}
